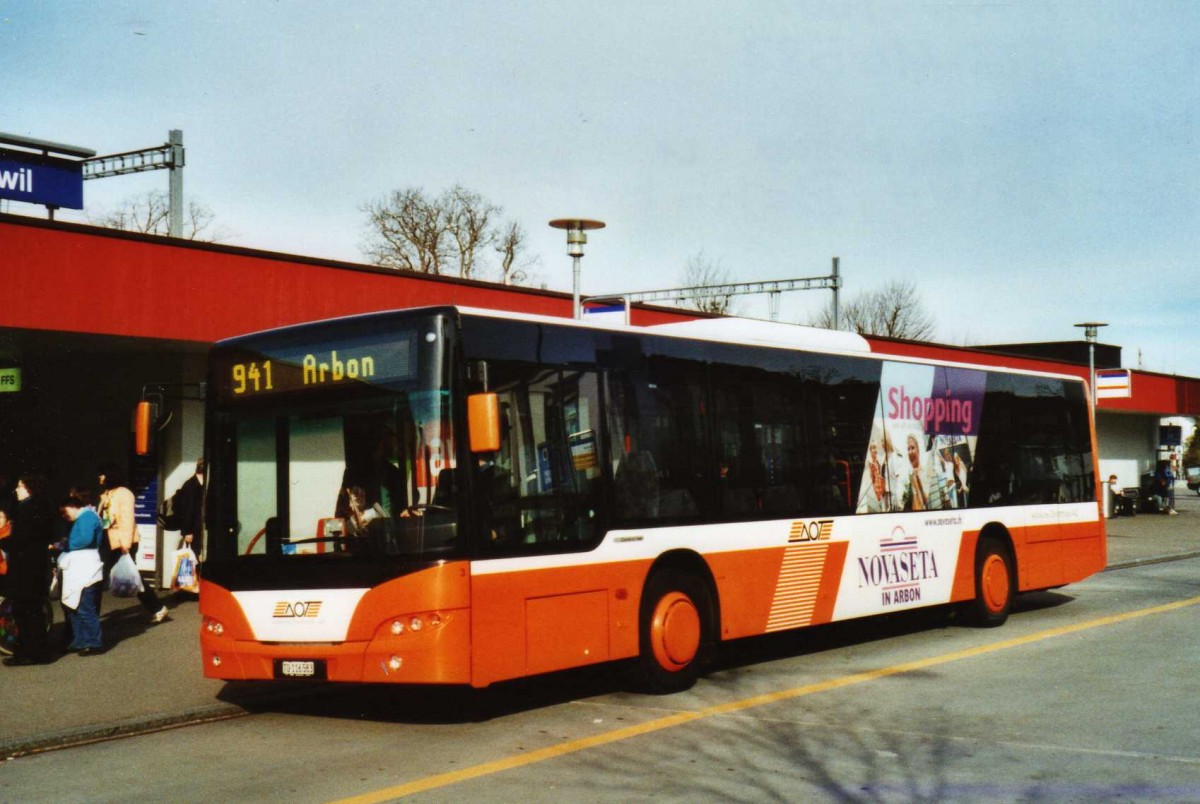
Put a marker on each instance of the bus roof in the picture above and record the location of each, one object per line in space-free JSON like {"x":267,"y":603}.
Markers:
{"x":745,"y":331}
{"x":768,"y":333}
{"x":756,"y":332}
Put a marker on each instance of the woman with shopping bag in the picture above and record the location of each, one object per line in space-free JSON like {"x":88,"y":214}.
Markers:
{"x":116,"y":512}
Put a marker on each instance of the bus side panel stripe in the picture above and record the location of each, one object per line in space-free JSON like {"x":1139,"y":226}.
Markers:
{"x":831,"y":581}
{"x":797,"y":586}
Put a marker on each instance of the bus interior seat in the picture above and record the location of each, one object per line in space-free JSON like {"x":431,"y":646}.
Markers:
{"x":782,"y":500}
{"x":677,"y":503}
{"x":636,"y":485}
{"x":740,"y":501}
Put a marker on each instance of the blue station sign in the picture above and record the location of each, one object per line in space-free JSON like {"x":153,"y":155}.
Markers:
{"x":38,"y":179}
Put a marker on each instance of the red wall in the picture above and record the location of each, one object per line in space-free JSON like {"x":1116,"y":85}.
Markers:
{"x":82,"y":279}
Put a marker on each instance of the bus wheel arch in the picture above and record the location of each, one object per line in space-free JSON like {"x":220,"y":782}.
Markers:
{"x":995,"y":577}
{"x":677,"y":623}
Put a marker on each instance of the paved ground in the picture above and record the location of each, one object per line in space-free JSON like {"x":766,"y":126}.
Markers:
{"x":1150,"y":537}
{"x":151,"y":676}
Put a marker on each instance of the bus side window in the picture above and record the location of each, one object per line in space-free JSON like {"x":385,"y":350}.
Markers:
{"x":539,"y":492}
{"x":760,"y":444}
{"x":659,"y":445}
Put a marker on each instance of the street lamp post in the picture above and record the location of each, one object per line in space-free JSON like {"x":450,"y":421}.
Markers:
{"x":1090,"y":328}
{"x":576,"y":239}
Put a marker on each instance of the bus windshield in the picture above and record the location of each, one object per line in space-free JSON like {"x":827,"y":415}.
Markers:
{"x":313,"y":466}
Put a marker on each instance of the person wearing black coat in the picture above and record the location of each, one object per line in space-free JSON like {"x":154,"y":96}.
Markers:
{"x":189,"y":507}
{"x":29,"y":570}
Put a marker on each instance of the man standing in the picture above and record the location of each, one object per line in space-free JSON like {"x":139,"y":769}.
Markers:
{"x":29,"y":570}
{"x":189,"y":509}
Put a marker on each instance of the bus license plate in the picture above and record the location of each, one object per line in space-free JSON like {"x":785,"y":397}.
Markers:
{"x":299,"y":668}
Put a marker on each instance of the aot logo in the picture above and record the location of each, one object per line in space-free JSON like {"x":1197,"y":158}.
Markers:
{"x":300,"y":608}
{"x":818,"y":530}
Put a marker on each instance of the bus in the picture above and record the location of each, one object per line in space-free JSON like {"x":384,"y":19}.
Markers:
{"x":454,"y":496}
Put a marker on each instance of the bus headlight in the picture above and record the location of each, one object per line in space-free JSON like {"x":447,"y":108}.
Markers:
{"x":213,"y":627}
{"x":416,"y":623}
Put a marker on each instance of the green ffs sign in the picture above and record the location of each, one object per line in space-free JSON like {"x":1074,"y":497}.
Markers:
{"x":10,"y":380}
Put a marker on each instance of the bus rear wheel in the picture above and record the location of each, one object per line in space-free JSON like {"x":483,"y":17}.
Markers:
{"x":674,"y":632}
{"x":995,"y":584}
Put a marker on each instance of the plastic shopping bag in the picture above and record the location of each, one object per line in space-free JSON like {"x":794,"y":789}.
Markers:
{"x":56,"y":582}
{"x":125,"y":580}
{"x":185,"y":578}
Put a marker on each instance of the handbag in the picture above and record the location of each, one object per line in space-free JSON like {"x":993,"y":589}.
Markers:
{"x":125,"y":580}
{"x":185,"y":577}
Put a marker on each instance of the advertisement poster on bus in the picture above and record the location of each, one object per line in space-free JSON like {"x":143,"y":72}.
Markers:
{"x":923,"y":439}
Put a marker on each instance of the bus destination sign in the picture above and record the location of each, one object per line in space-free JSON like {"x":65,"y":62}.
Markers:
{"x":245,"y":375}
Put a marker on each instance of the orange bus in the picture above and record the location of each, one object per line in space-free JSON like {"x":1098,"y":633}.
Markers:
{"x":457,"y":496}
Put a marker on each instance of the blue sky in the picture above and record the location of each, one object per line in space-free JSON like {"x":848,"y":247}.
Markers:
{"x":1027,"y":165}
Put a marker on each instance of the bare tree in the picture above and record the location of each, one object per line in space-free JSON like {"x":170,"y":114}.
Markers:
{"x":893,"y":311}
{"x":446,"y":234}
{"x":699,"y":275}
{"x":509,"y":244}
{"x":150,"y":213}
{"x":407,"y":231}
{"x":468,"y":218}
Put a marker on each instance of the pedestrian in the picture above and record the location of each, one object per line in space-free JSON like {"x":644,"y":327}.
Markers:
{"x":189,"y":510}
{"x":5,"y":532}
{"x":1164,"y":487}
{"x":82,"y":577}
{"x":1119,"y":503}
{"x":84,"y":495}
{"x":116,"y":512}
{"x":29,"y":571}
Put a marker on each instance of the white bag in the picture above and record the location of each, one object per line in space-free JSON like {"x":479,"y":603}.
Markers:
{"x":125,"y":580}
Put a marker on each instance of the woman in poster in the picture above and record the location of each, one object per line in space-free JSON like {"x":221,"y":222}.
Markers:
{"x":915,"y":497}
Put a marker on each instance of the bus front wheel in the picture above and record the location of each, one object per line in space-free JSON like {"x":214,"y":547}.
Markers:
{"x":673,"y":631}
{"x":994,"y":584}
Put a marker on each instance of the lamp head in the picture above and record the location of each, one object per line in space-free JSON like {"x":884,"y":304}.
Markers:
{"x":1090,"y":328}
{"x":576,"y":232}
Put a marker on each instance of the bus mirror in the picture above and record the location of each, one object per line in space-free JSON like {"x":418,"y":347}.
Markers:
{"x":144,"y":422}
{"x":483,"y":421}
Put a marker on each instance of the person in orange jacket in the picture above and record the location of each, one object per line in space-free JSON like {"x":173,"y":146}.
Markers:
{"x":116,"y":512}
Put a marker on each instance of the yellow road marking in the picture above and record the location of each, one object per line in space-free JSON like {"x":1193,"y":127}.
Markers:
{"x":670,"y":721}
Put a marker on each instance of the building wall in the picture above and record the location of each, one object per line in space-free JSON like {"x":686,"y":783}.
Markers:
{"x":76,"y":403}
{"x":1127,"y":444}
{"x":155,"y":287}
